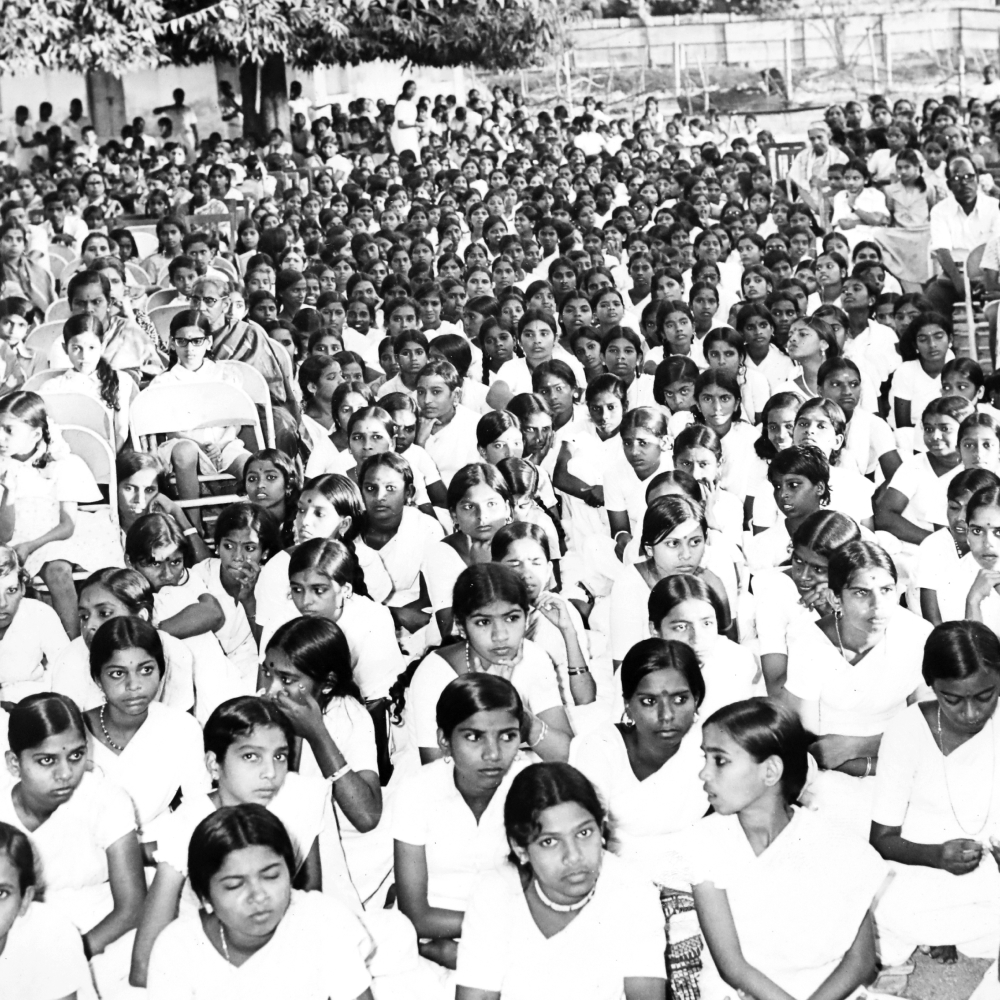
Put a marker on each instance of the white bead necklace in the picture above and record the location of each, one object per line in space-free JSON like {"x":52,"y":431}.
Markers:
{"x":563,"y":907}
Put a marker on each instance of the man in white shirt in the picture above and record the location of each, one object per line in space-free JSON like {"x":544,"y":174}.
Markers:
{"x":589,"y":141}
{"x":959,"y":224}
{"x":809,"y":168}
{"x":989,"y":89}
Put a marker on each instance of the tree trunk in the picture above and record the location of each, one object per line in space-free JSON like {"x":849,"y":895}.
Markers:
{"x":273,"y":97}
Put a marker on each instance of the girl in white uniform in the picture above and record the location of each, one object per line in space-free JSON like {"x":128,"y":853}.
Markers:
{"x":936,"y":804}
{"x":646,"y":771}
{"x":569,"y":920}
{"x":336,"y":736}
{"x":41,"y":952}
{"x":757,"y":855}
{"x":246,"y":536}
{"x":306,"y":944}
{"x":119,"y":593}
{"x":248,"y":745}
{"x":850,"y":673}
{"x":31,"y":635}
{"x":83,"y":827}
{"x":718,"y":400}
{"x":149,"y":749}
{"x":491,"y":610}
{"x":447,"y":821}
{"x":183,"y":606}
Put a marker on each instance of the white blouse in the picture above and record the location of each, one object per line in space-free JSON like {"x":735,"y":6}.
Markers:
{"x":429,"y":812}
{"x":618,"y":935}
{"x":318,"y":952}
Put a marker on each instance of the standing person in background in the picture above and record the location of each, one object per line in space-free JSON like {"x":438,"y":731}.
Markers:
{"x":183,"y":120}
{"x":404,"y":133}
{"x":74,"y":124}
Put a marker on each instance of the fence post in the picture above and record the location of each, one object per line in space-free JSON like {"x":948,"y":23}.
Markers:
{"x":871,"y":55}
{"x":961,"y":74}
{"x":888,"y":60}
{"x":677,"y":70}
{"x":787,"y":44}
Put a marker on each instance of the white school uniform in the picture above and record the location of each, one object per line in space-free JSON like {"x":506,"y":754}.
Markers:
{"x":777,"y":608}
{"x":912,"y":383}
{"x":937,"y":558}
{"x":737,"y":458}
{"x":407,"y":553}
{"x":235,"y":637}
{"x":216,"y":679}
{"x":954,"y":582}
{"x":34,"y":640}
{"x":618,"y":935}
{"x":429,"y":812}
{"x":925,"y":491}
{"x":317,"y":952}
{"x":167,"y":753}
{"x":935,"y":798}
{"x":794,"y":946}
{"x":644,"y":814}
{"x":453,"y":446}
{"x":777,"y":367}
{"x":43,"y":958}
{"x":868,"y":438}
{"x":625,"y":491}
{"x":534,"y":677}
{"x":324,"y":458}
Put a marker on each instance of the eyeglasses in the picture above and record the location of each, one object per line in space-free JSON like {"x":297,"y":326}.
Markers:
{"x":964,"y":178}
{"x":189,"y":341}
{"x":210,"y":301}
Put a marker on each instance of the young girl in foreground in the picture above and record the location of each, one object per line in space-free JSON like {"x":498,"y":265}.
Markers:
{"x":241,"y":864}
{"x":756,"y":855}
{"x":567,"y":919}
{"x":448,"y":816}
{"x":248,"y":745}
{"x":41,"y":954}
{"x":82,"y":826}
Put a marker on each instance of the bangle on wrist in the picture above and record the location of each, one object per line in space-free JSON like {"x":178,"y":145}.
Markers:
{"x":190,"y":531}
{"x":542,"y":733}
{"x":868,"y":767}
{"x":339,"y":773}
{"x":574,"y":672}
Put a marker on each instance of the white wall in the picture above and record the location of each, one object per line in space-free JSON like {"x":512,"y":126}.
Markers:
{"x":153,"y":88}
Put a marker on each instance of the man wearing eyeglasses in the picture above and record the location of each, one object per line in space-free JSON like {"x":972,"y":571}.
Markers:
{"x":963,"y":221}
{"x":237,"y":339}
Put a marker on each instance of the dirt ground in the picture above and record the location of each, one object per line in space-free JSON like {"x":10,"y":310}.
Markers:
{"x":931,"y":981}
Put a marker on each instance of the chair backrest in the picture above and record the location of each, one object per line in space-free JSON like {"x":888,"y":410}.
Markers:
{"x":255,"y":386}
{"x":76,"y":409}
{"x":173,"y":409}
{"x":40,"y":341}
{"x":64,"y":253}
{"x":161,"y":318}
{"x":97,"y":453}
{"x":37,"y":381}
{"x":161,"y":298}
{"x":137,"y":274}
{"x":59,"y":310}
{"x":145,"y":240}
{"x":974,"y":262}
{"x":57,"y":265}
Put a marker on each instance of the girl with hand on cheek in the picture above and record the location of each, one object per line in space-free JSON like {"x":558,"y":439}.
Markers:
{"x":490,"y":606}
{"x":755,"y":855}
{"x":698,"y":452}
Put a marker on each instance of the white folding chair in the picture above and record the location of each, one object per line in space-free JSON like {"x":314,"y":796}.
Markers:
{"x":37,"y":381}
{"x":137,"y":274}
{"x":174,"y":409}
{"x":973,"y":269}
{"x":161,"y":318}
{"x":40,"y":341}
{"x":59,"y":310}
{"x":64,"y":253}
{"x":255,"y":386}
{"x":57,"y":265}
{"x":160,"y":298}
{"x":145,"y":240}
{"x":99,"y":455}
{"x":77,"y":410}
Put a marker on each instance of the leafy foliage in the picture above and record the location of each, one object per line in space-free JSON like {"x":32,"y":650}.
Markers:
{"x":123,"y":35}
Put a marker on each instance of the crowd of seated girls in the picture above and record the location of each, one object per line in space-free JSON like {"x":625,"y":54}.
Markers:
{"x":613,"y":613}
